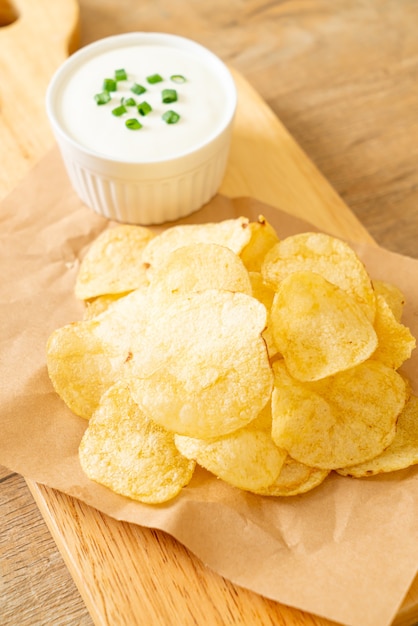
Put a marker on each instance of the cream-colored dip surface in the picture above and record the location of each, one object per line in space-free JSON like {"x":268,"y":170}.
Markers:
{"x":202,"y":102}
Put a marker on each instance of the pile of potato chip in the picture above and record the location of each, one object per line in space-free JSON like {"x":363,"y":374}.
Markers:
{"x":269,"y":362}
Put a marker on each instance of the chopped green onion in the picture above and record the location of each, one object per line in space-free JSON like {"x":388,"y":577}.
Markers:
{"x":109,"y":84}
{"x":121,"y":75}
{"x":178,"y":78}
{"x":154,"y":78}
{"x":169,"y":95}
{"x":118,"y":111}
{"x":128,"y":102}
{"x":171,"y":117}
{"x":133,"y":124}
{"x":144,"y":108}
{"x":138,"y":89}
{"x":102,"y":98}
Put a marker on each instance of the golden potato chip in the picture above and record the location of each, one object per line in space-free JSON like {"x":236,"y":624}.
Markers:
{"x":393,"y":296}
{"x":265,"y":295}
{"x":318,"y":328}
{"x":87,"y":357}
{"x":113,"y":263}
{"x":201,"y":266}
{"x":79,"y":368}
{"x":401,"y":453}
{"x":395,"y":341}
{"x":263,"y":237}
{"x":247,"y":458}
{"x":263,"y":420}
{"x":203,"y":368}
{"x":328,"y":256}
{"x":342,"y":420}
{"x":125,"y":451}
{"x":260,"y":290}
{"x":295,"y":478}
{"x":232,"y":233}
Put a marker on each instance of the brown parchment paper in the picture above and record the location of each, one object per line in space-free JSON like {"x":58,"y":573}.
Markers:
{"x":347,"y":551}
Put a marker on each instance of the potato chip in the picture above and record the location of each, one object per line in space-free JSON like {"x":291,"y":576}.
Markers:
{"x":201,"y":266}
{"x":393,"y":296}
{"x":263,"y":420}
{"x":395,"y":340}
{"x":263,"y":237}
{"x":203,"y":368}
{"x":87,"y":357}
{"x":265,"y":295}
{"x":125,"y":451}
{"x":261,"y":290}
{"x":247,"y":458}
{"x":232,"y":233}
{"x":113,"y":263}
{"x":318,"y":328}
{"x":401,"y":453}
{"x":330,"y":257}
{"x":342,"y":420}
{"x":295,"y":478}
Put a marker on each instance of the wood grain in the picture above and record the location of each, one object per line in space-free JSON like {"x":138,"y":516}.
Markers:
{"x":35,"y":583}
{"x":342,"y":78}
{"x":35,"y":37}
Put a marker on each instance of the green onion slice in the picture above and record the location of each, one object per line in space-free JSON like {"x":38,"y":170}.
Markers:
{"x":121,"y":75}
{"x":103,"y":97}
{"x":109,"y":84}
{"x":171,"y":117}
{"x":133,"y":124}
{"x":144,"y":108}
{"x":169,"y":95}
{"x":118,"y":111}
{"x":178,"y":78}
{"x":138,"y":89}
{"x":128,"y":102}
{"x":154,"y":78}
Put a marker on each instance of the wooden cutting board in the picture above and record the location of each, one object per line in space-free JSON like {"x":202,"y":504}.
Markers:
{"x":128,"y":574}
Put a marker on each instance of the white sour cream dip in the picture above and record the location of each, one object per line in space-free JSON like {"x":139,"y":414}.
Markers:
{"x":204,"y":101}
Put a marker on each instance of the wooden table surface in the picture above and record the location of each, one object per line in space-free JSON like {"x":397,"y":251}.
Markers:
{"x":341,"y":75}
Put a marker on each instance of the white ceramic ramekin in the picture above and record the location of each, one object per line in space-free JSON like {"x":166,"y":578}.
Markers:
{"x":138,"y":190}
